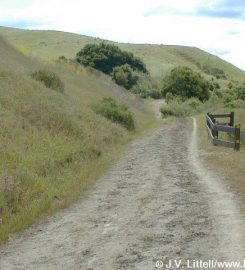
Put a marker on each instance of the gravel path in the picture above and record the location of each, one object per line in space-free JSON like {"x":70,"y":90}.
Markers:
{"x":156,"y":106}
{"x":157,"y":203}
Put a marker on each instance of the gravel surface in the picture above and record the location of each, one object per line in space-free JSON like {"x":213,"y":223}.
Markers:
{"x":156,"y":106}
{"x":156,"y":203}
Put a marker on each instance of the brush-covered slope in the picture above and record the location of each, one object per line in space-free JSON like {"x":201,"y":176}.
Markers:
{"x":52,"y":144}
{"x":159,"y":59}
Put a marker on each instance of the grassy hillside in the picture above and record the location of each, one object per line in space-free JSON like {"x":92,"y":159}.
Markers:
{"x":52,"y":144}
{"x":159,"y":59}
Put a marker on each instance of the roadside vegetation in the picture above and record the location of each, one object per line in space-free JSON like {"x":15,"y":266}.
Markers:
{"x":221,"y":100}
{"x":188,"y":93}
{"x":53,"y":144}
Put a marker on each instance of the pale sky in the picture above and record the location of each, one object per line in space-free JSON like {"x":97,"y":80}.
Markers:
{"x":216,"y":26}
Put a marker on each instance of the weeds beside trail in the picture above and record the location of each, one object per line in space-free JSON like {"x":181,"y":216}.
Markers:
{"x":52,"y":144}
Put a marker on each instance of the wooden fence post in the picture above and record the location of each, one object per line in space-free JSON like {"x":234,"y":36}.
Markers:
{"x":237,"y":137}
{"x":215,"y":133}
{"x":232,"y":119}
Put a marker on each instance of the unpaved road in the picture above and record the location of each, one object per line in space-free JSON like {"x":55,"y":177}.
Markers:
{"x":156,"y":203}
{"x":156,"y":106}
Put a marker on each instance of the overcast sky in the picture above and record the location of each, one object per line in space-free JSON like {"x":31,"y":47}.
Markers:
{"x":217,"y":26}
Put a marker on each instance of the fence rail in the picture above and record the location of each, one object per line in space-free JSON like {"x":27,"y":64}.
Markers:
{"x":242,"y":136}
{"x":214,"y":127}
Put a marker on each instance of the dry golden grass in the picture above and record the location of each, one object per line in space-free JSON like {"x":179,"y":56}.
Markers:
{"x":225,"y":161}
{"x":53,"y":146}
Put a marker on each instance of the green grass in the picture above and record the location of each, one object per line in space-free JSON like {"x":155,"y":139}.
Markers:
{"x":117,"y":113}
{"x":159,"y":59}
{"x":53,"y":146}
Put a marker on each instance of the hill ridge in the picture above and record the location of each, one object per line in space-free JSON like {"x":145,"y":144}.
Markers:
{"x":160,"y":59}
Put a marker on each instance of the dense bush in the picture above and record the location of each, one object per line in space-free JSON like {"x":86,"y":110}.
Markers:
{"x":105,"y":57}
{"x":124,"y":76}
{"x":118,"y":113}
{"x":185,"y":82}
{"x":49,"y":79}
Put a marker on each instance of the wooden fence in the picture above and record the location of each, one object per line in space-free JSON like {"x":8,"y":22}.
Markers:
{"x":214,"y":127}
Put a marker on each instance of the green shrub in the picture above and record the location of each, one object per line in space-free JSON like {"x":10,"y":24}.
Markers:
{"x":167,"y":111}
{"x":118,"y":113}
{"x":124,"y":76}
{"x":105,"y":57}
{"x":185,"y":82}
{"x":155,"y":93}
{"x":49,"y":79}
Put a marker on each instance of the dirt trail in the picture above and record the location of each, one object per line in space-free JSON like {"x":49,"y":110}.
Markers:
{"x":156,"y":106}
{"x":156,"y":203}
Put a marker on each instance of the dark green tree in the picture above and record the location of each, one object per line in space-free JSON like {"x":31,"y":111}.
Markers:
{"x":105,"y":57}
{"x":184,"y":82}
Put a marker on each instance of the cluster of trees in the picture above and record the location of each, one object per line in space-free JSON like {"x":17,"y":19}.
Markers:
{"x":123,"y":66}
{"x":130,"y":72}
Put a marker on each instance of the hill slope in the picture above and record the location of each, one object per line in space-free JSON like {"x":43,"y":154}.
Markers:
{"x":159,"y":59}
{"x":52,"y":144}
